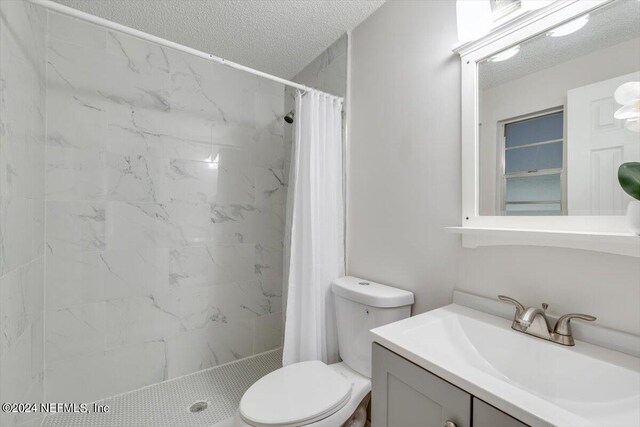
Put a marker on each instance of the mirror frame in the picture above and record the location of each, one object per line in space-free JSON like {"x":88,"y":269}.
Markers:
{"x":599,"y":233}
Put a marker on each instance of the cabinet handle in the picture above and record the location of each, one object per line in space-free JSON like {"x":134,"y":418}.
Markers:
{"x":450,"y":424}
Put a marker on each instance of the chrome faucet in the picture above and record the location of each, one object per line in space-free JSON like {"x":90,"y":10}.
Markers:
{"x":534,"y":321}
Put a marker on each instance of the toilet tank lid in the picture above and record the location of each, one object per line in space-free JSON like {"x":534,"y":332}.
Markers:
{"x":371,"y":293}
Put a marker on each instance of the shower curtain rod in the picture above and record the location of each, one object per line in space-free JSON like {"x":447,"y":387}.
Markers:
{"x":69,"y":11}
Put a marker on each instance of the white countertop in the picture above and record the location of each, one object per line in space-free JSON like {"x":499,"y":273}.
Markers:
{"x":536,"y":381}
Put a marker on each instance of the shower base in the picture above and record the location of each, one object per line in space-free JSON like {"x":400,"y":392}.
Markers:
{"x":207,"y":398}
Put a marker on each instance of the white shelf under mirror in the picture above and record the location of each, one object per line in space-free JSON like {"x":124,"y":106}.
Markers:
{"x":627,"y":244}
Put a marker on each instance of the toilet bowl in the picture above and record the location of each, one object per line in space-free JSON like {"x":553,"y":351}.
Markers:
{"x":304,"y":394}
{"x":313,"y":393}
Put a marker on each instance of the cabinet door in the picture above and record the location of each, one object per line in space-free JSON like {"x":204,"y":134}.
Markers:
{"x":485,"y":415}
{"x":405,"y":395}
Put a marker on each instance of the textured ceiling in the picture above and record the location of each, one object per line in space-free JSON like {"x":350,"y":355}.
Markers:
{"x":276,"y":36}
{"x":608,"y":25}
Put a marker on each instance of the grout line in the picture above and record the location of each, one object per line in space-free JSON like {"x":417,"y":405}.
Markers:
{"x":44,"y":208}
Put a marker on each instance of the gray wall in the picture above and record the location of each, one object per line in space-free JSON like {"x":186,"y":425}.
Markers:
{"x":22,"y":129}
{"x":405,"y":183}
{"x":405,"y":150}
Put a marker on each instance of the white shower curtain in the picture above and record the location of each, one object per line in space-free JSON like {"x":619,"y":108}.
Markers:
{"x":316,"y":215}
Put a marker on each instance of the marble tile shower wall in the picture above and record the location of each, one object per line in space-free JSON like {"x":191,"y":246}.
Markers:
{"x":22,"y":147}
{"x":165,"y":201}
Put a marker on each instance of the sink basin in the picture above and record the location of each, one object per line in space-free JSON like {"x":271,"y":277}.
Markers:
{"x":536,"y":381}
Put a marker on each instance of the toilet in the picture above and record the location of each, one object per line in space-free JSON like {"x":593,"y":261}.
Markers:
{"x":315,"y":394}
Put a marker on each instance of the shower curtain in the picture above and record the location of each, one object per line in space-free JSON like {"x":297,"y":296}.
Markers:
{"x":316,"y":215}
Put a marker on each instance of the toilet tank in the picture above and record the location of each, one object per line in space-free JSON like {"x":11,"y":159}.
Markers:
{"x":362,"y":305}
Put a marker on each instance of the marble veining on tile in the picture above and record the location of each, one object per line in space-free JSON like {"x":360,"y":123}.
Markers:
{"x":165,"y":207}
{"x":22,"y":169}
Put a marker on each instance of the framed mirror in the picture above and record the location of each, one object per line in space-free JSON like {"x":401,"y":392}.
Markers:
{"x":549,"y":142}
{"x":541,"y":137}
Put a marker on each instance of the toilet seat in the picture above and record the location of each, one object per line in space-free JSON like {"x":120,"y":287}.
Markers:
{"x":296,"y":395}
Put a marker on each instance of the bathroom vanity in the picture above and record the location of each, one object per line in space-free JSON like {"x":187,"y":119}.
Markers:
{"x":460,"y":367}
{"x":407,"y":395}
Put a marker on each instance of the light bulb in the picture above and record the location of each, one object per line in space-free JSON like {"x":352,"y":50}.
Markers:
{"x":570,"y":27}
{"x":505,"y":54}
{"x":474,"y":19}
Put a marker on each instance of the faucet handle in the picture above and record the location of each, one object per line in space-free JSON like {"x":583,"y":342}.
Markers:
{"x":519,"y":307}
{"x":563,"y":325}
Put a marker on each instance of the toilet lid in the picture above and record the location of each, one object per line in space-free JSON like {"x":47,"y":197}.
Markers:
{"x":295,"y":395}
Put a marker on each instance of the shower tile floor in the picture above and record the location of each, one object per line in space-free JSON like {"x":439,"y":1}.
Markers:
{"x":167,"y":404}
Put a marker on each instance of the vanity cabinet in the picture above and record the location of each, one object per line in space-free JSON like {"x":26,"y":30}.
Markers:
{"x":485,"y":415}
{"x":405,"y":395}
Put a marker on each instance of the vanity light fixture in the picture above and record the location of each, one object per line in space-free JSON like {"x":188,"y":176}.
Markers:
{"x":474,"y":19}
{"x":570,"y":27}
{"x":505,"y":54}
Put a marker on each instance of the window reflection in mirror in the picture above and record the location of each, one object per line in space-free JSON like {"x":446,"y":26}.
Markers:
{"x":549,"y":143}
